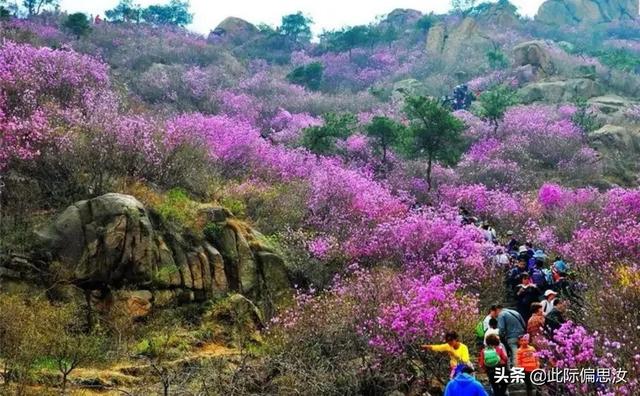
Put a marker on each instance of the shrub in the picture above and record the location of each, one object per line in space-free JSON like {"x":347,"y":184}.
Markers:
{"x":178,"y":207}
{"x":78,"y":24}
{"x":309,"y":76}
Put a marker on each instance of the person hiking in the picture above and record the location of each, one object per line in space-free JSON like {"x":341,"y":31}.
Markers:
{"x":526,"y":293}
{"x":548,"y":302}
{"x":538,"y":256}
{"x":514,"y":277}
{"x":512,"y":327}
{"x":527,"y":359}
{"x":458,"y":352}
{"x":535,"y":325}
{"x":512,"y":243}
{"x":538,"y":276}
{"x":463,"y":384}
{"x":493,"y":356}
{"x":557,"y":316}
{"x":501,"y":259}
{"x":488,"y":235}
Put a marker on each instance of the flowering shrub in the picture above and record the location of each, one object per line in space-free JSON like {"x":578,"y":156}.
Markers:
{"x":427,"y":244}
{"x":575,"y":347}
{"x":422,"y":314}
{"x":41,"y":89}
{"x":530,"y":140}
{"x":633,"y":113}
{"x":286,"y":128}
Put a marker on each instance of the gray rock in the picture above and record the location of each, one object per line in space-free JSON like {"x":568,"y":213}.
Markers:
{"x":560,"y":90}
{"x":534,"y":53}
{"x":573,"y":12}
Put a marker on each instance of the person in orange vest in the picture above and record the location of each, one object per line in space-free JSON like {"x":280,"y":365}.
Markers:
{"x":527,"y":359}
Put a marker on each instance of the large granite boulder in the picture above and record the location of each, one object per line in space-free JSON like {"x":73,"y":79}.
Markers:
{"x":619,"y":148}
{"x":402,"y":18}
{"x":534,"y":53}
{"x":560,"y":90}
{"x":234,"y":31}
{"x":573,"y":12}
{"x":500,"y":13}
{"x":113,"y":242}
{"x":450,"y":43}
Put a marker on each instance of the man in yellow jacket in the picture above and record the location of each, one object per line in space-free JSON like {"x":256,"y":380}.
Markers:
{"x":458,"y":352}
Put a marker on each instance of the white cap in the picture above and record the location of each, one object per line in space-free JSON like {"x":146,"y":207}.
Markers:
{"x":549,"y":292}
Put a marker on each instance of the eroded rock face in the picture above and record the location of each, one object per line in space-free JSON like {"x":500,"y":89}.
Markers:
{"x":113,"y":242}
{"x":573,"y":12}
{"x":451,"y":43}
{"x":534,"y":53}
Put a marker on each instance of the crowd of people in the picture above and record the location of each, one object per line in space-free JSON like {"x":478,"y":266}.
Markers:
{"x":536,"y":301}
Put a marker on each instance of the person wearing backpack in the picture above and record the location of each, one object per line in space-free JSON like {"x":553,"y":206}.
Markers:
{"x":512,"y":327}
{"x":492,"y":357}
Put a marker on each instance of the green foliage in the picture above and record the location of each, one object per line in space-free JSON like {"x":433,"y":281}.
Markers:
{"x":213,"y":231}
{"x":350,"y":37}
{"x":77,"y":24}
{"x":494,"y":103}
{"x":125,"y":11}
{"x":497,"y":59}
{"x":35,"y":6}
{"x":236,"y":206}
{"x":462,"y":5}
{"x":174,"y":13}
{"x":296,"y":27}
{"x":426,"y":22}
{"x":434,"y":132}
{"x":620,"y":59}
{"x":177,"y":207}
{"x":309,"y":76}
{"x":4,"y":13}
{"x":322,"y":139}
{"x":384,"y":133}
{"x":584,"y":117}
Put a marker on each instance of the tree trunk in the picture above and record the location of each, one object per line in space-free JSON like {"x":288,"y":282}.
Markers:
{"x":64,"y":382}
{"x":87,"y":296}
{"x":165,"y":386}
{"x":429,"y":167}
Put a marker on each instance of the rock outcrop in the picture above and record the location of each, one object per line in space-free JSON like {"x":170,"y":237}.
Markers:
{"x":573,"y":12}
{"x":233,"y":31}
{"x":501,"y":13}
{"x":402,"y":18}
{"x":450,"y":43}
{"x":114,"y":243}
{"x":619,"y":146}
{"x":534,"y":53}
{"x":558,"y":91}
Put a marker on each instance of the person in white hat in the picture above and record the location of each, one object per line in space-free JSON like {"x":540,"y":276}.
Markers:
{"x":548,"y":302}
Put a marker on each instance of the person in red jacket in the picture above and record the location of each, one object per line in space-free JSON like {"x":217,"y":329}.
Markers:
{"x":492,"y":358}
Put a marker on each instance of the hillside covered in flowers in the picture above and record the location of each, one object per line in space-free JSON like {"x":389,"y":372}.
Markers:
{"x":396,"y":211}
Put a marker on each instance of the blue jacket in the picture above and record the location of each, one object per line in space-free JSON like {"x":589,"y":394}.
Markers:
{"x":511,"y":324}
{"x":464,"y":385}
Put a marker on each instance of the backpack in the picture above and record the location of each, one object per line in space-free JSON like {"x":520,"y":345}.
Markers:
{"x":491,"y":357}
{"x":480,"y":330}
{"x":538,"y":277}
